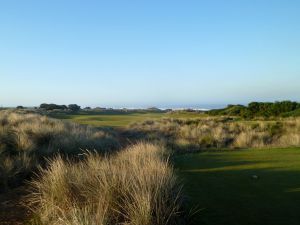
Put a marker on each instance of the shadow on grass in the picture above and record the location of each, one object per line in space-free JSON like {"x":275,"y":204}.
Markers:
{"x":227,"y":193}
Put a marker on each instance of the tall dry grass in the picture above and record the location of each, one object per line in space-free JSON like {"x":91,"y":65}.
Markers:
{"x":218,"y":133}
{"x":136,"y":186}
{"x":26,"y":139}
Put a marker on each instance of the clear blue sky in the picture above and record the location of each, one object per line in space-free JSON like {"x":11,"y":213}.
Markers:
{"x":146,"y":53}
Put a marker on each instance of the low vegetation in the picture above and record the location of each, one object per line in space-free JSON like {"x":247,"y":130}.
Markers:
{"x":258,"y":109}
{"x":50,"y":107}
{"x":76,"y":177}
{"x":205,"y":133}
{"x":136,"y":186}
{"x":26,"y":139}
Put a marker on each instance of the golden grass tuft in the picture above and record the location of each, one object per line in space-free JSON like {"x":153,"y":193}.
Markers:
{"x":136,"y":186}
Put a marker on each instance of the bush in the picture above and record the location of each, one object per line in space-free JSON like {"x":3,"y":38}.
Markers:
{"x":207,"y":141}
{"x":258,"y":109}
{"x":275,"y":129}
{"x":51,"y":106}
{"x":74,"y":107}
{"x":137,"y":186}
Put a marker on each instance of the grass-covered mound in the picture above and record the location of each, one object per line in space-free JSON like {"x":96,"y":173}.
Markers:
{"x":218,"y":132}
{"x":26,"y":139}
{"x":259,"y":109}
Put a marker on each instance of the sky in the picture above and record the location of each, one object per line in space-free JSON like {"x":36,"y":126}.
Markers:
{"x":149,"y":53}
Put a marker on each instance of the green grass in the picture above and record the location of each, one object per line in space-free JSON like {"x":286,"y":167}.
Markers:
{"x":294,"y":113}
{"x":221,"y":185}
{"x":119,"y":119}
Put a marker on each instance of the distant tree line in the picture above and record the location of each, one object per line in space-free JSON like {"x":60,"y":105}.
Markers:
{"x":75,"y":107}
{"x":72,"y":107}
{"x":259,"y":109}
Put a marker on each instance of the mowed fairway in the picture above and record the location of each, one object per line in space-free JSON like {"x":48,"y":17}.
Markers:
{"x":221,"y":184}
{"x":119,"y":119}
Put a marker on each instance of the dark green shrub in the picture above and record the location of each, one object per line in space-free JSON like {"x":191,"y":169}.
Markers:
{"x":74,"y":107}
{"x":258,"y":109}
{"x":207,"y":141}
{"x":275,"y":129}
{"x":52,"y":106}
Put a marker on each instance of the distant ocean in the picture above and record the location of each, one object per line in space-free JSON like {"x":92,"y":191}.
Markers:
{"x":196,"y":107}
{"x":203,"y":107}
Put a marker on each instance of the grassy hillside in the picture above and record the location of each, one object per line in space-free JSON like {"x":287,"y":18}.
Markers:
{"x":26,"y":139}
{"x":223,"y":186}
{"x":79,"y":175}
{"x":259,"y":109}
{"x":218,"y":133}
